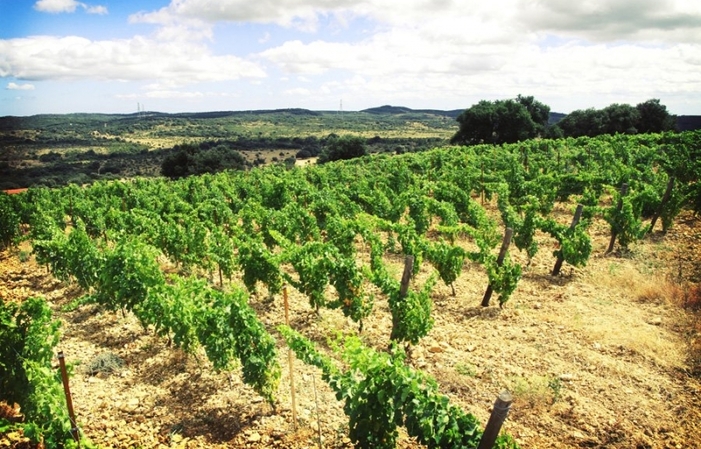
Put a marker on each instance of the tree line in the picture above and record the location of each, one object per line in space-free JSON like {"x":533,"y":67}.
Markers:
{"x":514,"y":120}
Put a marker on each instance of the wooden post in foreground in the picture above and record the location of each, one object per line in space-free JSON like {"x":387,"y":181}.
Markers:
{"x":624,"y":191}
{"x":575,"y":220}
{"x":665,"y":198}
{"x":496,"y":420}
{"x":75,"y":433}
{"x":500,"y":260}
{"x":290,"y":360}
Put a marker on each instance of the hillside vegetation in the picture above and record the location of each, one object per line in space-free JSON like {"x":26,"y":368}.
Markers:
{"x":54,"y":150}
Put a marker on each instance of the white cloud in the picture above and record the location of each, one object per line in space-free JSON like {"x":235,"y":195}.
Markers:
{"x":15,"y":86}
{"x":101,"y":10}
{"x":299,"y":14}
{"x":442,"y":74}
{"x":414,"y":52}
{"x":595,"y":20}
{"x":56,"y":6}
{"x":138,"y":58}
{"x":59,"y":6}
{"x":611,"y":20}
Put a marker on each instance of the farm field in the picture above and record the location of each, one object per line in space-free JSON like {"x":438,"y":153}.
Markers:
{"x":597,"y":357}
{"x":172,"y":301}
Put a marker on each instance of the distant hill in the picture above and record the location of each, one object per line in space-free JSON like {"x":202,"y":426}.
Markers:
{"x":684,"y":122}
{"x":555,"y":117}
{"x":688,"y":122}
{"x":387,"y":109}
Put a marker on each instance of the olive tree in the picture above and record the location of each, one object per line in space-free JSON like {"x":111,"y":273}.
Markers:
{"x":495,"y":122}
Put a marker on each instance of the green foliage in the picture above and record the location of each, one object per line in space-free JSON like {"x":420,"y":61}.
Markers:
{"x":381,"y":393}
{"x":654,"y":118}
{"x":524,"y":225}
{"x":10,"y":220}
{"x":253,"y":346}
{"x":501,"y":121}
{"x":503,"y":279}
{"x":587,"y":122}
{"x":28,"y":336}
{"x":625,"y":221}
{"x":129,"y":271}
{"x":258,"y":264}
{"x":539,"y":112}
{"x":647,"y":117}
{"x":447,"y":259}
{"x":83,"y":257}
{"x":348,"y":281}
{"x":312,"y":263}
{"x":190,"y":159}
{"x":344,"y":147}
{"x":621,"y":119}
{"x":574,"y":243}
{"x":176,"y":310}
{"x":411,"y":315}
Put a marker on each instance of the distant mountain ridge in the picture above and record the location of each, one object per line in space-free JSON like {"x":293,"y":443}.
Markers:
{"x":684,"y":122}
{"x":387,"y":109}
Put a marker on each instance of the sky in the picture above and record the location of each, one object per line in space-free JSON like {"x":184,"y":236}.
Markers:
{"x":121,"y":56}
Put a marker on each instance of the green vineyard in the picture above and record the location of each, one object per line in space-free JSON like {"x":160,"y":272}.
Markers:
{"x":186,"y":257}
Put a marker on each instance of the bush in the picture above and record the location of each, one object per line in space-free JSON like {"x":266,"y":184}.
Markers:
{"x":190,"y":159}
{"x":51,"y":156}
{"x":344,"y":147}
{"x":303,"y":154}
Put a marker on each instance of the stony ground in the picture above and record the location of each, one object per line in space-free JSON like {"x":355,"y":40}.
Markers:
{"x":599,"y":357}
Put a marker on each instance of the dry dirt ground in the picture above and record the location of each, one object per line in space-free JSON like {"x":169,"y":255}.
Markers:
{"x":598,"y":357}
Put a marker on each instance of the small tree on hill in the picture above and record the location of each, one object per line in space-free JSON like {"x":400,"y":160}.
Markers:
{"x":654,"y":117}
{"x":501,"y":121}
{"x":189,"y":159}
{"x":621,"y":119}
{"x":583,"y":122}
{"x":540,"y":113}
{"x":344,"y":147}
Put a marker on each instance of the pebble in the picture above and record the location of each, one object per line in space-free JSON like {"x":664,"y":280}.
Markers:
{"x":567,"y":377}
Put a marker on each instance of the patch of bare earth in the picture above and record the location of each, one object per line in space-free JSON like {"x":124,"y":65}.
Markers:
{"x":598,"y":357}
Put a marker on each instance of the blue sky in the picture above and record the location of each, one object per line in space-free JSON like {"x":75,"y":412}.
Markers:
{"x":61,"y":56}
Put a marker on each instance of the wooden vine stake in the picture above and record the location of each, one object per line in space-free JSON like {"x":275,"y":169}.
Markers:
{"x":75,"y":433}
{"x":403,"y":291}
{"x":614,"y":234}
{"x":665,"y":199}
{"x":290,"y":360}
{"x":500,"y":261}
{"x":406,"y":276}
{"x":496,"y":420}
{"x":575,"y":221}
